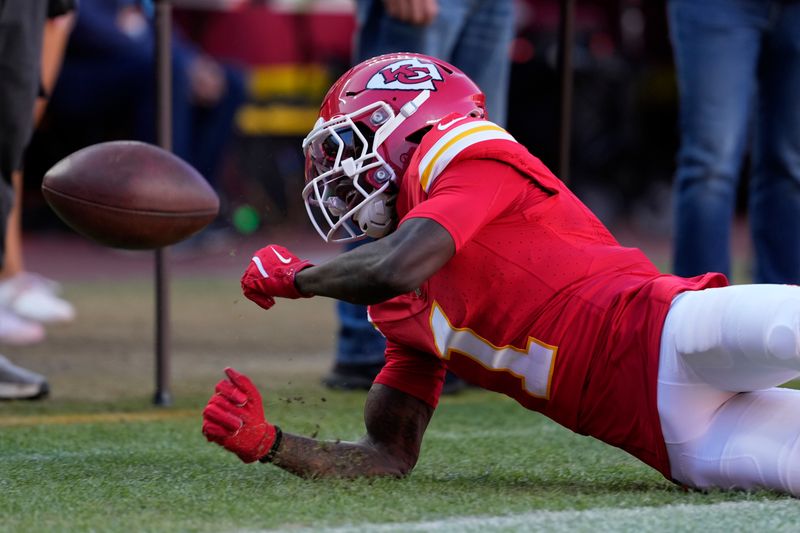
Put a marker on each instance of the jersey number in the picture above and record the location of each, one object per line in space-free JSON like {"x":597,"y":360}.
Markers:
{"x":533,"y":366}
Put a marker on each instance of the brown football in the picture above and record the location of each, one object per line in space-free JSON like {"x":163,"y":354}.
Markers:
{"x":129,"y":194}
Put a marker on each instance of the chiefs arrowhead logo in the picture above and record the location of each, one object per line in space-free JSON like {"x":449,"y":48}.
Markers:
{"x":406,"y":75}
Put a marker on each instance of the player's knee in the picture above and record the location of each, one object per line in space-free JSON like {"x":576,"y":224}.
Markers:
{"x":782,"y":341}
{"x":783,"y":332}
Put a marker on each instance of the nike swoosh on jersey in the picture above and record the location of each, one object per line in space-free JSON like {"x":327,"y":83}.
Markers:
{"x":442,"y":127}
{"x":259,"y":266}
{"x":280,"y":257}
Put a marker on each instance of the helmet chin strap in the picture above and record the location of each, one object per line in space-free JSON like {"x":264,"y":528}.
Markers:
{"x":408,"y":109}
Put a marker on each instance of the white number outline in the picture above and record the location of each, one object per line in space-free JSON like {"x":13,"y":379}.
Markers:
{"x":538,"y":357}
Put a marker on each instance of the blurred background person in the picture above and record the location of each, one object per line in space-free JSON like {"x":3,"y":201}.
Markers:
{"x":27,"y":299}
{"x":107,"y":86}
{"x":473,"y":36}
{"x":738,"y":65}
{"x":21,"y":42}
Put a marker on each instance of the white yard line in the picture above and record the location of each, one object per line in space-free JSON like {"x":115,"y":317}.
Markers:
{"x":726,"y":517}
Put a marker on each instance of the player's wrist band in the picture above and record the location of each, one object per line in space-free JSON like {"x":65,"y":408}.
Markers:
{"x":274,"y":448}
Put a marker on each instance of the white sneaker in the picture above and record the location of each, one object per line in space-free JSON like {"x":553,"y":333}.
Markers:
{"x":17,"y":383}
{"x":34,"y":300}
{"x":16,"y":330}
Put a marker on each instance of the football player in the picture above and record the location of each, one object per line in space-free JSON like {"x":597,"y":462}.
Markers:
{"x":487,"y":265}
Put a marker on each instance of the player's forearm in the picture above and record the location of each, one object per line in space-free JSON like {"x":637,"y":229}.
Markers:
{"x":310,"y":458}
{"x":354,"y":277}
{"x":395,"y":421}
{"x":391,"y":266}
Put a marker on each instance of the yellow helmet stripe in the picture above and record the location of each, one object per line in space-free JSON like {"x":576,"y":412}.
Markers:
{"x":449,"y":146}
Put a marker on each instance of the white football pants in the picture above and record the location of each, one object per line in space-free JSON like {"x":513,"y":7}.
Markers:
{"x":723,"y":352}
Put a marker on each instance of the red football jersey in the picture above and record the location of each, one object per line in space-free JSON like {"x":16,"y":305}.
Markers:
{"x":539,"y":302}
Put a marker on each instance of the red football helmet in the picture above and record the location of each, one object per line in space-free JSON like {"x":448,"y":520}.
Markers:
{"x":371,"y":121}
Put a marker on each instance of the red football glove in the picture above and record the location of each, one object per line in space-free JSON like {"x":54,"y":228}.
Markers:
{"x":234,"y":418}
{"x":271,"y":273}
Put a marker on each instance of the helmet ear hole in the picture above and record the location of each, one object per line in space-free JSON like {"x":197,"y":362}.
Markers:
{"x":416,"y":137}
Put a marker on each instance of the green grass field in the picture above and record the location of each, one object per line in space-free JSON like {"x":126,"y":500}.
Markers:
{"x":486,"y":464}
{"x":96,"y":456}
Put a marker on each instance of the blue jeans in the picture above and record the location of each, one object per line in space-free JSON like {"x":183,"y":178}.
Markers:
{"x":93,"y":91}
{"x":473,"y":35}
{"x":738,"y":67}
{"x":21,"y":26}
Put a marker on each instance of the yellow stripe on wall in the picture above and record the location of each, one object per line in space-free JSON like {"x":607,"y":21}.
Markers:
{"x":276,"y":119}
{"x":283,"y":99}
{"x":311,"y":81}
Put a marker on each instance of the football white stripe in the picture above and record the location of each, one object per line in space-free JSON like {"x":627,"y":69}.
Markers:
{"x":764,"y":515}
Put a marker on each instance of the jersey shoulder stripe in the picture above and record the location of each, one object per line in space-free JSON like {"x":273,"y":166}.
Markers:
{"x":452,"y":143}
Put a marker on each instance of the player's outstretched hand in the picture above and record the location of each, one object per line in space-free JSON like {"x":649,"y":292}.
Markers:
{"x":271,"y":273}
{"x":234,"y":418}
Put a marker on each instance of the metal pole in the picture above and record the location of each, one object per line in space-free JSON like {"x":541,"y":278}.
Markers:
{"x":163,"y":21}
{"x":565,"y":45}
